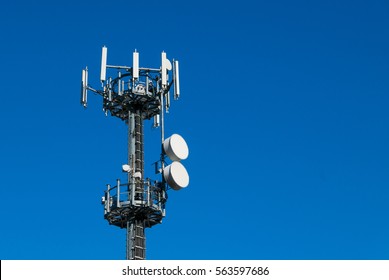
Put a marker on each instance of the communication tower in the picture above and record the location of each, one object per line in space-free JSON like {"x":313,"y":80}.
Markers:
{"x":137,"y":94}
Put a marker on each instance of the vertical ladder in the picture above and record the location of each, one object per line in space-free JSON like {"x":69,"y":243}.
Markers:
{"x":139,"y":155}
{"x":136,"y":240}
{"x":139,"y":152}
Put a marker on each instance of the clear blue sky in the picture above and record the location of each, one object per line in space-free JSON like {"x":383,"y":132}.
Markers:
{"x":284,"y":107}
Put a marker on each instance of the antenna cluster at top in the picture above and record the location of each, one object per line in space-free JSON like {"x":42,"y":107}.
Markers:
{"x":134,"y":87}
{"x":144,"y":93}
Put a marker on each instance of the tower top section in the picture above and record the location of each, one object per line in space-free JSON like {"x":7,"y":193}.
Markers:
{"x":134,"y":88}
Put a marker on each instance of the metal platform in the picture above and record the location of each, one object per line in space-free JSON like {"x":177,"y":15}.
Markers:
{"x":148,"y":205}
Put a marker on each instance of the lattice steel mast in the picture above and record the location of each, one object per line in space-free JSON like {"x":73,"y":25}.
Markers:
{"x":135,"y":95}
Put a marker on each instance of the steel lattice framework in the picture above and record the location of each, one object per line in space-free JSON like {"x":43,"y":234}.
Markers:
{"x":135,"y":95}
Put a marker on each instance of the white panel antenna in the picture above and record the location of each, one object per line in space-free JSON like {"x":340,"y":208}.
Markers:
{"x":120,"y":89}
{"x":156,"y":121}
{"x":147,"y":85}
{"x":166,"y":66}
{"x":135,"y":65}
{"x":103,"y":64}
{"x":84,"y":87}
{"x":176,"y":80}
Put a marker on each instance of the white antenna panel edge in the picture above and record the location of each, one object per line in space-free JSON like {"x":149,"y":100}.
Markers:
{"x":166,"y":66}
{"x":135,"y":65}
{"x":176,"y":77}
{"x":103,"y":71}
{"x":84,"y":87}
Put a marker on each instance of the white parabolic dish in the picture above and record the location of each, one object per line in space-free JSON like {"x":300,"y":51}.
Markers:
{"x":176,"y":148}
{"x":176,"y":176}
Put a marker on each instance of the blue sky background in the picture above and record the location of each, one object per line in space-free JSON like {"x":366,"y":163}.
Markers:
{"x":284,"y":107}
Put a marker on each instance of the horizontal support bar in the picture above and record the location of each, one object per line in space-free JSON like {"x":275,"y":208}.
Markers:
{"x":130,"y":68}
